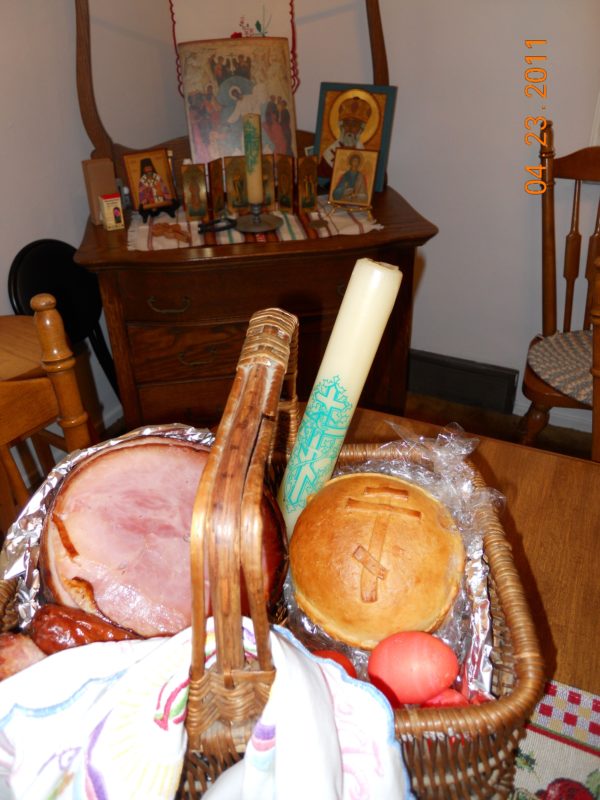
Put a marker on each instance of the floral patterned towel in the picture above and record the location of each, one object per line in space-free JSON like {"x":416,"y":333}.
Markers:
{"x":322,"y":735}
{"x":100,"y":722}
{"x":97,"y":722}
{"x":105,"y":722}
{"x":559,"y":758}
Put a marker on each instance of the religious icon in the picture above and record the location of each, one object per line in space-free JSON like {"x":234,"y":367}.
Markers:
{"x":193,"y":180}
{"x":268,"y":177}
{"x":150,"y":180}
{"x":353,"y":177}
{"x":284,"y":167}
{"x":307,"y":183}
{"x":356,"y":116}
{"x":235,"y":183}
{"x":217,"y":187}
{"x":223,"y":79}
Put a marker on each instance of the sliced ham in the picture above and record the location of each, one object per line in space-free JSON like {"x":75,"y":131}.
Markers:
{"x":116,"y":540}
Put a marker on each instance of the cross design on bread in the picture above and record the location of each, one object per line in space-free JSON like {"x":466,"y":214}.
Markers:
{"x":385,"y":505}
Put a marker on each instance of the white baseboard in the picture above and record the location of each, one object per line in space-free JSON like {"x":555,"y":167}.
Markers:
{"x":561,"y":417}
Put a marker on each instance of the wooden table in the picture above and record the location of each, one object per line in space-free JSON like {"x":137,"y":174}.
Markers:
{"x":552,"y":520}
{"x":20,"y":351}
{"x":177,"y":318}
{"x":20,"y":357}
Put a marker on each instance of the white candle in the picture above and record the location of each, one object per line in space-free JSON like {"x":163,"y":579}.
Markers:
{"x":253,"y":154}
{"x":356,"y":334}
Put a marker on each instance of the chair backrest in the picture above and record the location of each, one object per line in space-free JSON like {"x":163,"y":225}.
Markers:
{"x":578,"y":167}
{"x":29,"y":406}
{"x":48,"y":265}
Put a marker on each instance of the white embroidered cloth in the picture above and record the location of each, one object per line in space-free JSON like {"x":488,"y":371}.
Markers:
{"x":202,"y":19}
{"x":105,"y":721}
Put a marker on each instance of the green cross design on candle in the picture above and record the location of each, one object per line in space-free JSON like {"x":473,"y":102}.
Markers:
{"x":320,"y":438}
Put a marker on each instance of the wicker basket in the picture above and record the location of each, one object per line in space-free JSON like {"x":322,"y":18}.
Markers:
{"x":450,"y":752}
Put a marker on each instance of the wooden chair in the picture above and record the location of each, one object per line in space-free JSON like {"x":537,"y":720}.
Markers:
{"x":47,"y":265}
{"x":563,"y":364}
{"x":28,"y":407}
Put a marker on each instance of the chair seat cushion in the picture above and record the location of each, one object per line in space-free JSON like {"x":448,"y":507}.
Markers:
{"x":564,"y":361}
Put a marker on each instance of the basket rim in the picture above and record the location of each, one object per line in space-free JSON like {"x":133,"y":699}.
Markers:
{"x":511,"y":709}
{"x":262,"y":399}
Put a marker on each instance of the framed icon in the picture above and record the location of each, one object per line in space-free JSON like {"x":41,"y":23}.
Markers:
{"x":284,"y":170}
{"x":216,"y":187}
{"x":358,"y":116}
{"x":195,"y":196}
{"x":224,"y":78}
{"x":235,"y":185}
{"x":307,"y":183}
{"x":353,"y":177}
{"x":268,"y":176}
{"x":150,"y":179}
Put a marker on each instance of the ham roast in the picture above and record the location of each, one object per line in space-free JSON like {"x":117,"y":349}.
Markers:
{"x":116,"y":540}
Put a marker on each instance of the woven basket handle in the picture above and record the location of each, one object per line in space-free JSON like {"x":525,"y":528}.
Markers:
{"x":226,"y":525}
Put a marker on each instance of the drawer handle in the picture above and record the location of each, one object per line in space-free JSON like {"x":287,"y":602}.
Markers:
{"x":341,"y":289}
{"x":201,"y":363}
{"x":152,"y":303}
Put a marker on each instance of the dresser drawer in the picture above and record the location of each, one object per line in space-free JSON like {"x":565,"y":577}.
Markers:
{"x":198,"y":403}
{"x":196,"y":352}
{"x":184,"y":352}
{"x":201,"y":295}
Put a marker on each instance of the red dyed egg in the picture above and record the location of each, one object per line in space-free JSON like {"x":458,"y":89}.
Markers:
{"x":448,"y":697}
{"x":341,"y":659}
{"x":412,"y":667}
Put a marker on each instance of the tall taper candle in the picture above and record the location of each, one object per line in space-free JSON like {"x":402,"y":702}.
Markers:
{"x":253,"y":154}
{"x":356,"y":334}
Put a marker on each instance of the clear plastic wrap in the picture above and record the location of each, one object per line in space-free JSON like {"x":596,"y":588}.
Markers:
{"x":441,"y":467}
{"x":19,"y":554}
{"x":438,"y":465}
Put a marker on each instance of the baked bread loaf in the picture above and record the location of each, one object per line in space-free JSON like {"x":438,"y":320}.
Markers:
{"x":372,"y":555}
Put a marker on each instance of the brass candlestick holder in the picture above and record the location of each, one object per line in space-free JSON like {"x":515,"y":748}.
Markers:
{"x":255,"y":222}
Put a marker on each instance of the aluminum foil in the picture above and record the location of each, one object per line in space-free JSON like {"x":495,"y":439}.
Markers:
{"x":444,"y":472}
{"x":441,"y":467}
{"x":19,"y":554}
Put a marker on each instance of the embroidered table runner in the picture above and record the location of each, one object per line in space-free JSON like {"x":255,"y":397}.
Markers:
{"x":560,"y":754}
{"x":165,"y":233}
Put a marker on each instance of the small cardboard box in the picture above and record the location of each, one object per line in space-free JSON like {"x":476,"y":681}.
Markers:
{"x":111,"y":211}
{"x":99,"y":176}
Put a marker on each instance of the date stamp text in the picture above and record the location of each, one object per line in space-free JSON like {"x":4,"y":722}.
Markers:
{"x":535,"y":76}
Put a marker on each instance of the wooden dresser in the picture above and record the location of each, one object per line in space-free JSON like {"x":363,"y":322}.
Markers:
{"x":177,"y":318}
